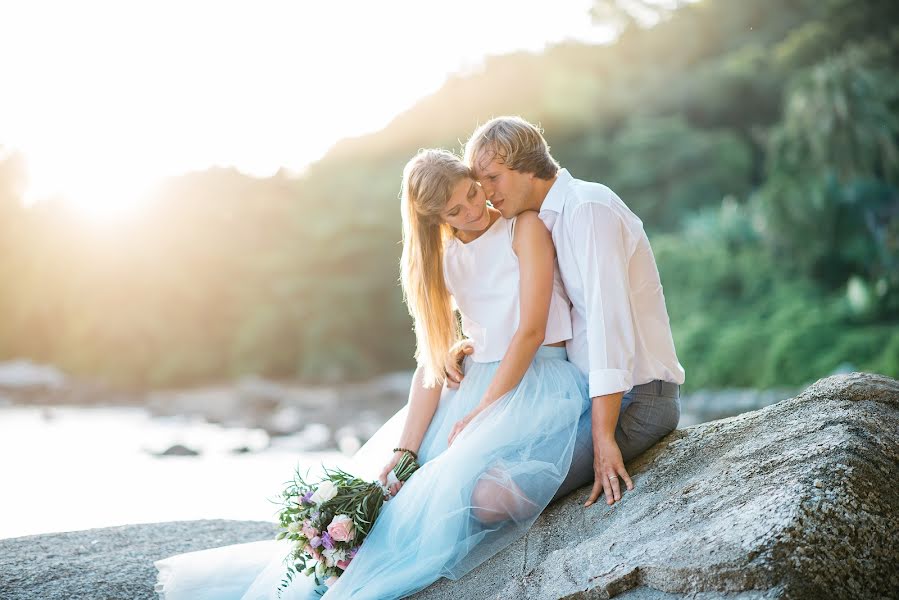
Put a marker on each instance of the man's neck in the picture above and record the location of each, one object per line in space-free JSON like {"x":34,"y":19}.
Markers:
{"x":539,"y":191}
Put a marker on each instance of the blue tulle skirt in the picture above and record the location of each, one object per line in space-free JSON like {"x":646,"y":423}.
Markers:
{"x":466,"y":503}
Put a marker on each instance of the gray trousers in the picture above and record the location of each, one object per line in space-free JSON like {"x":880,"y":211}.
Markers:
{"x":648,"y":412}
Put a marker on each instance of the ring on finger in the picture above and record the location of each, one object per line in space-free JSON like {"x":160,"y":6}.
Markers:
{"x":613,"y":477}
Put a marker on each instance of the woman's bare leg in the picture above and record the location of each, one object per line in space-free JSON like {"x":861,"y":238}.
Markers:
{"x":496,"y":497}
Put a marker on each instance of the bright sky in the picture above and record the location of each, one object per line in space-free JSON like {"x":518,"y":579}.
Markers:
{"x":104,"y":98}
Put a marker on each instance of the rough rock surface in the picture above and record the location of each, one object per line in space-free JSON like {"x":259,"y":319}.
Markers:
{"x":109,"y":563}
{"x":797,"y":500}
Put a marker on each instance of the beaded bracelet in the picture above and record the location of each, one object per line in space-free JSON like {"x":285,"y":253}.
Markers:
{"x":414,"y":455}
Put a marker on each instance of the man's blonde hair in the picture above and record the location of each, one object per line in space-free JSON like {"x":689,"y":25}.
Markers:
{"x":518,"y":144}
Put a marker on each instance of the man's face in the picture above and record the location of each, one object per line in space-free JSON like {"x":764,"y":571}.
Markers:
{"x":466,"y":208}
{"x":507,"y":190}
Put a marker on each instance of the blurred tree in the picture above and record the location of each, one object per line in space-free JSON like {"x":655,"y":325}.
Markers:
{"x":12,"y":175}
{"x":665,"y":170}
{"x":833,"y":167}
{"x":12,"y":181}
{"x":718,"y":102}
{"x":622,"y":14}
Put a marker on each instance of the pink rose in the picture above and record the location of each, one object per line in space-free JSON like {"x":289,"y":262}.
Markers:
{"x":309,"y":531}
{"x":313,"y":552}
{"x":343,"y":564}
{"x":341,"y":529}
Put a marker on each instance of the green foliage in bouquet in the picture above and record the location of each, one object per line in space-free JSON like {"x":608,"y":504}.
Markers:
{"x":328,"y":521}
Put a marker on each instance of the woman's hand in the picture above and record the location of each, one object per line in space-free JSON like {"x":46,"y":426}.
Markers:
{"x":462,"y":424}
{"x":394,"y":488}
{"x":452,"y":363}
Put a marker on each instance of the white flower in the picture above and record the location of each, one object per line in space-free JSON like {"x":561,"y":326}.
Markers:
{"x":334,"y":556}
{"x":326,"y":490}
{"x":294,"y":527}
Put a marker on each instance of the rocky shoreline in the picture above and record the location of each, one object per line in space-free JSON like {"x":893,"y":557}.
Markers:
{"x":794,"y":501}
{"x":314,"y":415}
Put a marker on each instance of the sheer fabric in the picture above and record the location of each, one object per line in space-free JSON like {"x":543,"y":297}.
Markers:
{"x":466,"y":503}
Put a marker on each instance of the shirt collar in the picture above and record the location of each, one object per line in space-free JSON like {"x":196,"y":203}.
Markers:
{"x":555,"y":198}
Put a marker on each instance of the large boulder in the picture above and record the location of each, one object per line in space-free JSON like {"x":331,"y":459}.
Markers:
{"x":797,"y":500}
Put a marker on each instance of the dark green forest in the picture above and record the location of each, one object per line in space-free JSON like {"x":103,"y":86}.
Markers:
{"x":758,"y":141}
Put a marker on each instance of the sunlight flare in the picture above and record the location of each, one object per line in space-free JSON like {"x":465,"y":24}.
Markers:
{"x":109,"y":97}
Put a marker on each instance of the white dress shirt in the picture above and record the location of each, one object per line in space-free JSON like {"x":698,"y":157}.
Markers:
{"x":621,"y":333}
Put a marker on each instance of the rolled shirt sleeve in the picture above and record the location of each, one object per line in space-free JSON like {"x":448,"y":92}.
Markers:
{"x":604,"y":251}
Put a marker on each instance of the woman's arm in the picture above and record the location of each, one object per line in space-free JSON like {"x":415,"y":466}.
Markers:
{"x":422,"y":406}
{"x":536,"y":255}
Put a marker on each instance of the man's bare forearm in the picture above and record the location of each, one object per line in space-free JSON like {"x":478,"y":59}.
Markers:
{"x":604,"y":417}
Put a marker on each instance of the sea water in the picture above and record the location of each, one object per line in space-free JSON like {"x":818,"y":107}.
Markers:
{"x":70,"y":468}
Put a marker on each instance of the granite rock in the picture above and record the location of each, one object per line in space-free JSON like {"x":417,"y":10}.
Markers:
{"x":794,"y":501}
{"x":111,"y":563}
{"x":797,"y":500}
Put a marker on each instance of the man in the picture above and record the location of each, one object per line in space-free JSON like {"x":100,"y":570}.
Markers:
{"x":621,"y":334}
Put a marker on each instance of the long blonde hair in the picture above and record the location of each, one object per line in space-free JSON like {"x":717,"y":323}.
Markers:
{"x":428,"y":182}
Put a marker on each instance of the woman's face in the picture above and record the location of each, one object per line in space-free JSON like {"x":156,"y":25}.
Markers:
{"x":466,"y":210}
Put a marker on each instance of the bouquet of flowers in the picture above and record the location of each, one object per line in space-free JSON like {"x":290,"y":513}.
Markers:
{"x":328,"y":521}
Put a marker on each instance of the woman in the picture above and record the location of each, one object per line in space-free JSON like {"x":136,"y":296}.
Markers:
{"x":494,"y":452}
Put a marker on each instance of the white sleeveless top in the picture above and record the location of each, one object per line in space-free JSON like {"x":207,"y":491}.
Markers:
{"x":483,"y":277}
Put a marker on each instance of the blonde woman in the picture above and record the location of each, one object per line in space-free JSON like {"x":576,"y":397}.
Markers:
{"x":493,"y":452}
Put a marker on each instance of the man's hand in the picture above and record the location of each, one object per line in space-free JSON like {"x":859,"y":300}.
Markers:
{"x":452,"y":365}
{"x":607,"y":468}
{"x":395,"y":488}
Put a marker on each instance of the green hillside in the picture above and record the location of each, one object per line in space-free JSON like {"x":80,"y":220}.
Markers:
{"x":758,"y":141}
